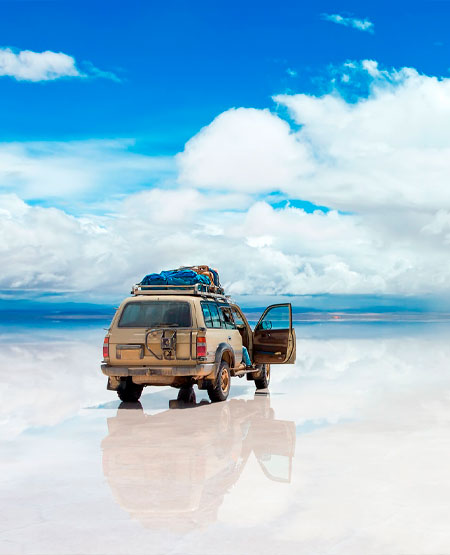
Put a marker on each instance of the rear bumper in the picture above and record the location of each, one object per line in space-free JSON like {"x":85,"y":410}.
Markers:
{"x":170,"y":371}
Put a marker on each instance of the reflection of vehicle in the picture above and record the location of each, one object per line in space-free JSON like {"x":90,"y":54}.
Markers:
{"x":183,"y":335}
{"x":173,"y":469}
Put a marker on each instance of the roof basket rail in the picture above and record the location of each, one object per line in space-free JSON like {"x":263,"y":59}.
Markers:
{"x":194,"y":289}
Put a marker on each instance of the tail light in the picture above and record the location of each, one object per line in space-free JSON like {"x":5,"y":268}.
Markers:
{"x":106,"y":347}
{"x":201,"y":347}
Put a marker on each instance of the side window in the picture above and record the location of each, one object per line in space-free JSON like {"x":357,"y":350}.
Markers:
{"x":227,"y":318}
{"x":207,"y":315}
{"x":237,"y":318}
{"x":216,"y":322}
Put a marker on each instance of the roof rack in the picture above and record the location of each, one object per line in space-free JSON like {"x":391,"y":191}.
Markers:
{"x":199,"y":289}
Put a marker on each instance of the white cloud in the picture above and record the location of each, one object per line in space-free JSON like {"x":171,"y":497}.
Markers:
{"x":360,"y":24}
{"x":77,"y":169}
{"x":26,"y":65}
{"x":258,"y":250}
{"x":385,"y":158}
{"x":388,"y":150}
{"x":91,"y":71}
{"x":36,"y":66}
{"x":380,"y":163}
{"x":246,"y":149}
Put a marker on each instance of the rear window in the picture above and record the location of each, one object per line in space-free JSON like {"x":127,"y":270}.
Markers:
{"x":156,"y":314}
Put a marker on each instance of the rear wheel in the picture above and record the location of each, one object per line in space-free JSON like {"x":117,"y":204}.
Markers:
{"x":128,"y":391}
{"x":220,"y":388}
{"x":263,"y":381}
{"x":187,"y":395}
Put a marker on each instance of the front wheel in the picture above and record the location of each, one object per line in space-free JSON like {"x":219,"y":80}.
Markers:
{"x":263,"y":381}
{"x":220,"y":388}
{"x":128,"y":391}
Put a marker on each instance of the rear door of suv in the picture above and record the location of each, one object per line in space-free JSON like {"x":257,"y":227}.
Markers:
{"x":137,"y":333}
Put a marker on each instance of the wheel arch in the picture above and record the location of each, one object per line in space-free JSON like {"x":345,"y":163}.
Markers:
{"x":226,"y":353}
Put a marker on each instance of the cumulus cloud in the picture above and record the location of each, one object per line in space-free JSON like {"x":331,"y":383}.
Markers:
{"x":259,"y":249}
{"x":389,"y":149}
{"x":244,"y":149}
{"x":384,"y":160}
{"x":360,"y":24}
{"x":380,"y":163}
{"x":26,"y":65}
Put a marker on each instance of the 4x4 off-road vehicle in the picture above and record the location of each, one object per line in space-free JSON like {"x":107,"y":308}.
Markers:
{"x":185,"y":335}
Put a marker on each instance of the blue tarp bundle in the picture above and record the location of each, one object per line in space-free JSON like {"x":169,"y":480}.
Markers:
{"x":175,"y":277}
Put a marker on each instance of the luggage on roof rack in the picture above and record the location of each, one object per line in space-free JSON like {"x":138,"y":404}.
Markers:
{"x":212,"y":274}
{"x":186,"y":276}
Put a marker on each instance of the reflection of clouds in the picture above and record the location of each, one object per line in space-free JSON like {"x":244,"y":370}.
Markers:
{"x":173,"y":469}
{"x":372,"y":487}
{"x":344,"y":378}
{"x":369,"y":475}
{"x":46,"y":382}
{"x":375,"y":480}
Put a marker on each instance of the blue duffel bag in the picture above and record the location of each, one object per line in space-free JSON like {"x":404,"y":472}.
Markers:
{"x":184,"y":277}
{"x":154,"y":279}
{"x":175,"y":277}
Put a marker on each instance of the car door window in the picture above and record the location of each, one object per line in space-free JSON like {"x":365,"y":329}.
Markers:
{"x":276,"y":318}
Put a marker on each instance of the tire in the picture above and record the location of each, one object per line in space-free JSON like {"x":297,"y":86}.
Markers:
{"x":264,"y":380}
{"x":128,"y":391}
{"x":187,"y":395}
{"x":220,"y":388}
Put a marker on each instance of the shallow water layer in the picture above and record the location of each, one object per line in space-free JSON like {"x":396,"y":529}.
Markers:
{"x":349,"y":453}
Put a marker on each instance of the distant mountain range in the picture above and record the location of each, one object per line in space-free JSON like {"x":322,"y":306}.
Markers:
{"x":78,"y":312}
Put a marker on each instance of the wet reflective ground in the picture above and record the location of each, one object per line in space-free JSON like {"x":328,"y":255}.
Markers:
{"x":350,"y":452}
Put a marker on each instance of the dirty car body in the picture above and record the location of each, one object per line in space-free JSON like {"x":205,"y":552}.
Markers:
{"x":180,"y":336}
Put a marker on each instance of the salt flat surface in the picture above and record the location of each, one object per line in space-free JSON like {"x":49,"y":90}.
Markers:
{"x":350,"y":452}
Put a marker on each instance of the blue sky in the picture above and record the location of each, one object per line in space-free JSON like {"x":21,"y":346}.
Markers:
{"x":182,"y":63}
{"x":299,"y":147}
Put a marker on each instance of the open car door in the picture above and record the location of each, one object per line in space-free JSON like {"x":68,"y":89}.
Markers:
{"x":274,"y":336}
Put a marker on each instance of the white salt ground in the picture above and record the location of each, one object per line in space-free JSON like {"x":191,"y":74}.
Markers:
{"x":350,"y":453}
